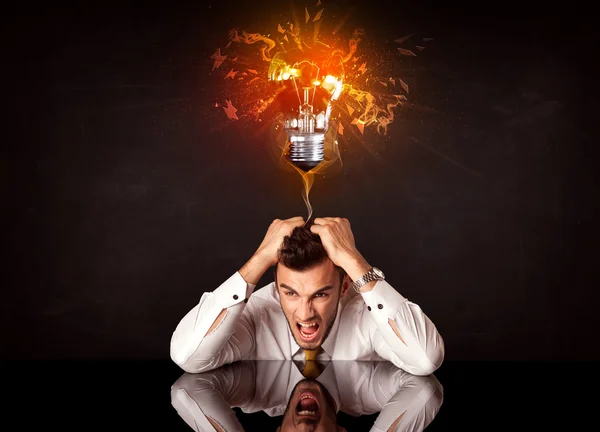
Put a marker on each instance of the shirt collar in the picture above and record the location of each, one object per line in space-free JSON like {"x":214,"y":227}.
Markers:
{"x":329,"y":344}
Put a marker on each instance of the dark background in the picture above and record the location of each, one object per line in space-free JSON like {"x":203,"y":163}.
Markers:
{"x":122,"y":205}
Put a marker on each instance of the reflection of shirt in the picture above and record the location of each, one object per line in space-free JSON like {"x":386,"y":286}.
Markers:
{"x":377,"y":325}
{"x":358,"y":388}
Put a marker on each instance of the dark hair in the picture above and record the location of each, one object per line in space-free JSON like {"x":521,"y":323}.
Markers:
{"x":303,"y":249}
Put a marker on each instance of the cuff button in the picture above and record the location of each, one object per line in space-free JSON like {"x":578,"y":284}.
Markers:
{"x":235,"y":297}
{"x":380,"y":306}
{"x":369,"y":308}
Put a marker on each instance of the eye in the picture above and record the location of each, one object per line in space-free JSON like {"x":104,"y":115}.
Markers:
{"x":321,"y":295}
{"x":289,"y":293}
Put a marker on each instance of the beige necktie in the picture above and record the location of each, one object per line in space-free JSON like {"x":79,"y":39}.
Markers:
{"x":312,"y":369}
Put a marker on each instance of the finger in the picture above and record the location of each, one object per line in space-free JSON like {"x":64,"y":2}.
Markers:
{"x":333,"y":220}
{"x":320,"y":229}
{"x":317,"y":229}
{"x":292,"y":224}
{"x":295,"y":218}
{"x":324,"y":221}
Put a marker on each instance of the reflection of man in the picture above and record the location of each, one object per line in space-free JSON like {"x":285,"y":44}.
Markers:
{"x":404,"y":402}
{"x":313,"y":310}
{"x":310,"y":408}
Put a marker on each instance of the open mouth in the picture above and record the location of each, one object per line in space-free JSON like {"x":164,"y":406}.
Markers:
{"x":308,"y":331}
{"x":307,"y":405}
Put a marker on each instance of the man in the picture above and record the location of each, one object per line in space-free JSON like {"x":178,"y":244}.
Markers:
{"x":306,"y":313}
{"x":402,"y":402}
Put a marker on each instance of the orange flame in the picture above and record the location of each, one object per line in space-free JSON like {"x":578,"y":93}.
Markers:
{"x":353,"y":104}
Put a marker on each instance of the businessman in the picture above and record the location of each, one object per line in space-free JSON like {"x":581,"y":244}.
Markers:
{"x":326,"y":303}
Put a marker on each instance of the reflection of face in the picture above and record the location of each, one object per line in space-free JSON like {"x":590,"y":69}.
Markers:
{"x":309,"y":300}
{"x":310,"y":408}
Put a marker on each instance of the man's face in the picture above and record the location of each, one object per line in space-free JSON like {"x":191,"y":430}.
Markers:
{"x":309,"y":300}
{"x":310,"y":409}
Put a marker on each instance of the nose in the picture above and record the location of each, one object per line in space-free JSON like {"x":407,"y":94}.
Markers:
{"x":305,"y":311}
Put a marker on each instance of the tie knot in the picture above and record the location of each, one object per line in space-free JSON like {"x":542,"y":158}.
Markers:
{"x":311,"y":354}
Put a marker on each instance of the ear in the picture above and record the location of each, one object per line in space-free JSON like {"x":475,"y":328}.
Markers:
{"x":345,"y":285}
{"x":341,"y":429}
{"x":278,"y":429}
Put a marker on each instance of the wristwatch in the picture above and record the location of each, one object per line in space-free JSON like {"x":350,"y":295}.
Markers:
{"x":373,"y":274}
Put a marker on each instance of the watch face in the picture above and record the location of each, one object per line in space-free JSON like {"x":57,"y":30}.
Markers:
{"x":378,"y":272}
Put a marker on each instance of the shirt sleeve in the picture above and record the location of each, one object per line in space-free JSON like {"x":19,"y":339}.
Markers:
{"x":233,"y":338}
{"x":415,"y":403}
{"x":202,"y":399}
{"x":403,"y":335}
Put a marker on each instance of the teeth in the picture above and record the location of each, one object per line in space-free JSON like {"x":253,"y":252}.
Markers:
{"x":308,"y":325}
{"x":307,"y":335}
{"x":306,"y":397}
{"x":307,"y":413}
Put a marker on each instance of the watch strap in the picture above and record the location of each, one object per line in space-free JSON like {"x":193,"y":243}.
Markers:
{"x":365,"y":279}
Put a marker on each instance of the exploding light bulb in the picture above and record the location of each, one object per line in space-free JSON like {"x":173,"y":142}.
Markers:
{"x":309,"y":80}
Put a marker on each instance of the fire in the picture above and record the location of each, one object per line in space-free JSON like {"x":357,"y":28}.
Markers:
{"x":304,"y":86}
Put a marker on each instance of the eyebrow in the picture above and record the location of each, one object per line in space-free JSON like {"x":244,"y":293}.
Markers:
{"x":320,"y":290}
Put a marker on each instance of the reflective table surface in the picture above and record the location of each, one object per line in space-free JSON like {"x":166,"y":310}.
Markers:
{"x":267,"y":395}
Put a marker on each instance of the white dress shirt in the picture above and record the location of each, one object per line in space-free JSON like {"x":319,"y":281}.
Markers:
{"x":255,"y":328}
{"x":358,"y":388}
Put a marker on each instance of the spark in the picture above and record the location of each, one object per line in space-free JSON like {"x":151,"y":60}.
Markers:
{"x":230,"y":110}
{"x":403,"y":85}
{"x":359,"y":124}
{"x":318,"y":16}
{"x":218,"y":58}
{"x":407,"y":52}
{"x":365,"y":97}
{"x":403,"y":39}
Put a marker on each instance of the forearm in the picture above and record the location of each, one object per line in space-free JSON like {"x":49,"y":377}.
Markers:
{"x":356,"y":267}
{"x":203,"y":333}
{"x":406,"y":336}
{"x":251,"y":272}
{"x":206,"y":399}
{"x":255,"y":267}
{"x":415,"y":404}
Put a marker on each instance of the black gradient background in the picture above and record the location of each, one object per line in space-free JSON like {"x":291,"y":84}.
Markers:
{"x":122,"y":205}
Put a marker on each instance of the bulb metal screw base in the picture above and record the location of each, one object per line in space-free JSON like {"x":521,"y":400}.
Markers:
{"x":306,"y":151}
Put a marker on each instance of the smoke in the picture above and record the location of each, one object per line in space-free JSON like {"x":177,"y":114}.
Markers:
{"x":252,"y":38}
{"x":372,"y":112}
{"x":331,"y":164}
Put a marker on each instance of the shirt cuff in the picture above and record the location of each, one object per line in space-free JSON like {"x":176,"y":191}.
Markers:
{"x":233,"y":291}
{"x":383,"y":301}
